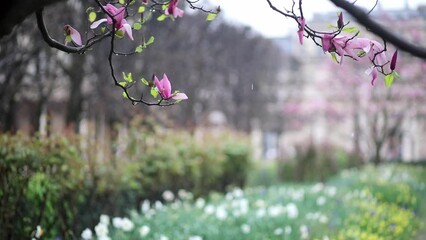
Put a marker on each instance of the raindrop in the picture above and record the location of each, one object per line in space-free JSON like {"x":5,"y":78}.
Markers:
{"x":252,"y":87}
{"x":134,"y":103}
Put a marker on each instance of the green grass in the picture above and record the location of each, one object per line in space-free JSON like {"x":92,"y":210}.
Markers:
{"x":387,"y":202}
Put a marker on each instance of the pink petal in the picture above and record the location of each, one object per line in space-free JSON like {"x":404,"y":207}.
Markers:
{"x":374,"y":75}
{"x":326,"y":43}
{"x":76,"y":37}
{"x":180,"y":96}
{"x":178,"y":12}
{"x":167,"y":86}
{"x":128,"y":29}
{"x":97,"y":23}
{"x":158,"y":84}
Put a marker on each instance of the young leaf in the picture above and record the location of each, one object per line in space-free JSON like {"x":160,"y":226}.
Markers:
{"x":125,"y":95}
{"x":334,"y":57}
{"x":119,"y":34}
{"x":68,"y":38}
{"x":141,"y":9}
{"x":122,"y":2}
{"x":211,"y":16}
{"x":150,"y":40}
{"x":162,"y":17}
{"x":92,"y":16}
{"x":389,"y":80}
{"x":139,"y":49}
{"x":144,"y":81}
{"x":154,"y":92}
{"x":123,"y":84}
{"x":350,"y":29}
{"x":396,"y":75}
{"x":137,"y":26}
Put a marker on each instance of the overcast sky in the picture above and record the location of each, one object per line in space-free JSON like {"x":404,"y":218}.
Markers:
{"x":258,"y":15}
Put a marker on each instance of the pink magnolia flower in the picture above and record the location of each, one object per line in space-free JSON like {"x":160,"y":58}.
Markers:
{"x":74,"y":34}
{"x":118,"y":15}
{"x":173,"y":9}
{"x":164,"y":88}
{"x":301,"y":29}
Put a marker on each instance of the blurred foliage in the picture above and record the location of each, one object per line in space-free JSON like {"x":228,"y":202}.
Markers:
{"x":315,"y":163}
{"x":53,"y":181}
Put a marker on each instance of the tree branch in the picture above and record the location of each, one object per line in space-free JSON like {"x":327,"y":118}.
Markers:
{"x":364,"y":19}
{"x":55,"y":44}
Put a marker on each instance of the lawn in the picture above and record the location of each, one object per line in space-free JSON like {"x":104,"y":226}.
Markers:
{"x":385,"y":202}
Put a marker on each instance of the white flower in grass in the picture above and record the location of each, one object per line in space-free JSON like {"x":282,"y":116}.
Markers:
{"x":321,"y":200}
{"x":275,"y":211}
{"x":104,"y":238}
{"x":287,"y":230}
{"x":325,"y":237}
{"x":127,"y":225}
{"x":292,"y":211}
{"x":209,"y":209}
{"x":39,"y":231}
{"x":87,"y":234}
{"x":221,"y":213}
{"x":260,"y":203}
{"x":317,"y":187}
{"x":168,"y":196}
{"x":245,"y":228}
{"x":261,"y":212}
{"x":200,"y":203}
{"x":158,"y":205}
{"x":323,"y":219}
{"x":146,"y":205}
{"x":117,"y":222}
{"x":304,"y":233}
{"x":104,"y":219}
{"x":238,"y":193}
{"x":162,"y":237}
{"x":195,"y":238}
{"x":144,"y":230}
{"x":101,"y":230}
{"x":278,"y":231}
{"x":331,"y":191}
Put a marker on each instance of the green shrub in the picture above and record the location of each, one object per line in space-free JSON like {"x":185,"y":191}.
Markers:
{"x":64,"y":184}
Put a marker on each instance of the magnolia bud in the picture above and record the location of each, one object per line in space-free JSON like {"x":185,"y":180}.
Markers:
{"x":393,"y":61}
{"x":340,"y":20}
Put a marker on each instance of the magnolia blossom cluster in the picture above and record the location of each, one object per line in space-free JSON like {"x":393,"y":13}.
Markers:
{"x":357,"y":48}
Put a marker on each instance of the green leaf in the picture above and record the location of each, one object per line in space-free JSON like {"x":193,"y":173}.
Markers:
{"x":92,"y":16}
{"x":137,"y":26}
{"x":123,"y":84}
{"x":389,"y":80}
{"x":68,"y":38}
{"x":162,"y":17}
{"x":128,"y":77}
{"x":334,"y":57}
{"x":122,"y":2}
{"x":119,"y":34}
{"x":125,"y":95}
{"x":144,"y":81}
{"x":165,"y":6}
{"x":350,"y":29}
{"x":211,"y":16}
{"x":150,"y":40}
{"x":331,"y":26}
{"x":396,"y":75}
{"x":139,"y":49}
{"x":141,"y":9}
{"x":154,"y":92}
{"x":361,"y":53}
